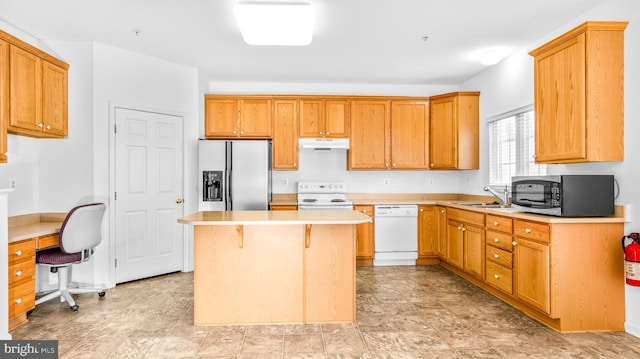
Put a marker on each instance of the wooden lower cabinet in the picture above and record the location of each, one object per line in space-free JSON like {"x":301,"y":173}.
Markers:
{"x":22,"y":283}
{"x":283,"y":207}
{"x":364,"y":238}
{"x":428,"y":235}
{"x":567,"y":275}
{"x":474,"y":257}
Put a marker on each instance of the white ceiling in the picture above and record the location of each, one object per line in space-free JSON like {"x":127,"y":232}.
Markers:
{"x":355,"y":41}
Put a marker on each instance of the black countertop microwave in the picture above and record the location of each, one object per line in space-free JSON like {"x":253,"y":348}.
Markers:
{"x":564,"y":195}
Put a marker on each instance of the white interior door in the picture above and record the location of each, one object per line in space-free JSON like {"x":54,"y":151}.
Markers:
{"x":148,"y":199}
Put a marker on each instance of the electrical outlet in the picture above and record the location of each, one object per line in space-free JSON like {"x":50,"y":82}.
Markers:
{"x":430,"y":181}
{"x":386,"y":181}
{"x":285,"y":182}
{"x":12,"y":183}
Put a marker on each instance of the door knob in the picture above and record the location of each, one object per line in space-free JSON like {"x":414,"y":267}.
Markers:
{"x":179,"y":200}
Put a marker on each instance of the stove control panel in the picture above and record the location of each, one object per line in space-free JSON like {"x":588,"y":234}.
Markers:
{"x":322,"y":187}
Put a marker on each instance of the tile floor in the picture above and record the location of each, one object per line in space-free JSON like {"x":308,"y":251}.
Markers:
{"x":402,"y":312}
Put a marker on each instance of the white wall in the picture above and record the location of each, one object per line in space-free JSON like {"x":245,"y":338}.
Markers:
{"x":509,"y":85}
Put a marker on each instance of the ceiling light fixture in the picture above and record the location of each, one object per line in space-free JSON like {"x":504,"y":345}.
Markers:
{"x":275,"y":23}
{"x":490,"y":56}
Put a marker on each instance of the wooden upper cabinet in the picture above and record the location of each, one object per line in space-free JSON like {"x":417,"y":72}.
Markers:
{"x":579,"y":95}
{"x":409,"y":134}
{"x":38,"y":95}
{"x":285,"y":134}
{"x":454,"y":131}
{"x":369,"y":139}
{"x":54,"y":99}
{"x":255,"y":117}
{"x":4,"y":98}
{"x":228,"y":117}
{"x":324,"y":118}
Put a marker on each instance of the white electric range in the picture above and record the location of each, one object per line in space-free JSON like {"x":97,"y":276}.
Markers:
{"x":323,"y":196}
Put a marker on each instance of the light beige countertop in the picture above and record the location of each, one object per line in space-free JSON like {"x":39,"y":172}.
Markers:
{"x":34,"y":225}
{"x":450,"y":200}
{"x":222,"y":218}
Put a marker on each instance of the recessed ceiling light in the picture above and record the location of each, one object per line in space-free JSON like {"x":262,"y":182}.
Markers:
{"x":275,"y":23}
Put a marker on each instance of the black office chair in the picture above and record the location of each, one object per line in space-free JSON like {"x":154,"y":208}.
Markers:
{"x":80,"y":233}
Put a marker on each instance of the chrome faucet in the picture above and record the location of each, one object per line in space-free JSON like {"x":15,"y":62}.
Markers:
{"x":504,"y":197}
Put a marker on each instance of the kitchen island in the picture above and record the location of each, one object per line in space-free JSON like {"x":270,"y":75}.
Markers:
{"x":260,"y":267}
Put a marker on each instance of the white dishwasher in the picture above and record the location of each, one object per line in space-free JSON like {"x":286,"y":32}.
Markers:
{"x":395,"y":235}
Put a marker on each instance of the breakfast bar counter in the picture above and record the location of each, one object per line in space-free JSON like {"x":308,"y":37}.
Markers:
{"x":261,"y":267}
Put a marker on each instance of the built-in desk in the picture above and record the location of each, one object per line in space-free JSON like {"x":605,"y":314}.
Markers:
{"x":27,"y":234}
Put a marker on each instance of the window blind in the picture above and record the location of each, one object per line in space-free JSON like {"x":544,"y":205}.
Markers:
{"x":512,"y":146}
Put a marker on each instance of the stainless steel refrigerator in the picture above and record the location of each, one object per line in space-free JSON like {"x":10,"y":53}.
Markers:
{"x":234,"y":175}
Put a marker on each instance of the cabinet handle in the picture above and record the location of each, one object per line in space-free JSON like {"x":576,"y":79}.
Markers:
{"x":463,"y":229}
{"x":48,"y":127}
{"x":393,"y":165}
{"x":18,"y":273}
{"x":19,"y":252}
{"x":496,"y":256}
{"x":234,"y":132}
{"x":442,"y":211}
{"x":364,"y":211}
{"x":242,"y":132}
{"x":459,"y":228}
{"x":40,"y":125}
{"x":496,"y":223}
{"x":527,"y":230}
{"x":19,"y":300}
{"x":421,"y":209}
{"x":328,"y":133}
{"x":432,"y":164}
{"x":496,"y":240}
{"x":496,"y":276}
{"x":320,"y":132}
{"x":295,"y":164}
{"x":514,"y":243}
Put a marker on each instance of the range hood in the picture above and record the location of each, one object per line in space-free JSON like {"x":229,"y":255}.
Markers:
{"x":323,"y":143}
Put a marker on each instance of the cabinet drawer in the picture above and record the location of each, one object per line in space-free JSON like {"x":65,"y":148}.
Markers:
{"x":47,"y":241}
{"x":476,"y":218}
{"x":21,"y":272}
{"x":500,"y":224}
{"x":22,"y":298}
{"x":500,"y":240}
{"x":500,"y":256}
{"x":499,"y":277}
{"x":22,"y":251}
{"x":531,"y":230}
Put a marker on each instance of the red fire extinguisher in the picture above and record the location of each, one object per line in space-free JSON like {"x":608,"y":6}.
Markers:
{"x":632,"y":259}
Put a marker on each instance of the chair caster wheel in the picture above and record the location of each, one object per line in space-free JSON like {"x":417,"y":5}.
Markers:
{"x":74,"y":308}
{"x":101,"y":294}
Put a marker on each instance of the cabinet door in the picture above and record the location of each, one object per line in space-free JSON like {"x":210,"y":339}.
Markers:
{"x":255,"y":117}
{"x":364,"y":235}
{"x":369,"y":135}
{"x":531,"y":273}
{"x":442,"y":231}
{"x":337,"y":118}
{"x":25,"y":90}
{"x":474,"y":250}
{"x":443,"y":144}
{"x":285,"y":135}
{"x":311,"y":118}
{"x":560,"y":102}
{"x":455,"y":243}
{"x":54,"y":99}
{"x":330,"y":274}
{"x":220,"y":117}
{"x":427,"y":231}
{"x":409,"y":134}
{"x":4,"y":98}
